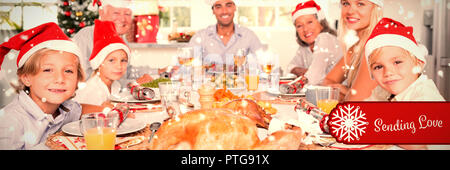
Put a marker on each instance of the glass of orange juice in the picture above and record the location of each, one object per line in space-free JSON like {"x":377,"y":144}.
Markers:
{"x":327,"y":98}
{"x":252,"y":82}
{"x":99,"y":130}
{"x":251,"y":78}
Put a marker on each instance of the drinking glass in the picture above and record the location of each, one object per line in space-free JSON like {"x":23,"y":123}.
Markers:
{"x":99,"y":130}
{"x":170,"y":92}
{"x":239,"y":58}
{"x":268,"y":61}
{"x":251,"y":79}
{"x":239,"y":68}
{"x":185,"y":57}
{"x":327,"y":98}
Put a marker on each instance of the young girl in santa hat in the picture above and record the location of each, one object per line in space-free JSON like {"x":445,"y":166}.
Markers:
{"x":350,"y":75}
{"x":396,"y":63}
{"x":109,"y":59}
{"x":48,"y":71}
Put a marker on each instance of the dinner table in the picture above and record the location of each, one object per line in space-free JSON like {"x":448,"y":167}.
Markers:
{"x":146,"y":113}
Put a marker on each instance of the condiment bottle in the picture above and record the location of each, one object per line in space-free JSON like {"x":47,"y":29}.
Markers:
{"x":206,"y":92}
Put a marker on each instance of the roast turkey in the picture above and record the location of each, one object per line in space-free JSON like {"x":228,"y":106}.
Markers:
{"x":250,"y":109}
{"x":219,"y":129}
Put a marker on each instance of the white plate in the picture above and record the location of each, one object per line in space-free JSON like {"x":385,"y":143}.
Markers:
{"x":129,"y":126}
{"x":287,"y":78}
{"x":290,"y":76}
{"x":126,"y":97}
{"x":278,"y":93}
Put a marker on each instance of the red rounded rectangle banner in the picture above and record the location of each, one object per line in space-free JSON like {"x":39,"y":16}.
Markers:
{"x":391,"y":122}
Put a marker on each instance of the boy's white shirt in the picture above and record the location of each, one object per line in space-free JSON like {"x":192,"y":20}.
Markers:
{"x":96,"y":92}
{"x":423,"y":89}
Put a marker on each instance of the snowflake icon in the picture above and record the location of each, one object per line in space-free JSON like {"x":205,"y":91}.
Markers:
{"x":347,"y":123}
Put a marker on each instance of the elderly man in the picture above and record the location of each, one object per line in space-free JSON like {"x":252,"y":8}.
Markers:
{"x":116,"y":11}
{"x":225,"y":38}
{"x":119,"y":12}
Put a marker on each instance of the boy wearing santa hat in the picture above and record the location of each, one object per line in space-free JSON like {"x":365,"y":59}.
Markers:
{"x":396,"y":62}
{"x":48,"y":70}
{"x":109,"y":59}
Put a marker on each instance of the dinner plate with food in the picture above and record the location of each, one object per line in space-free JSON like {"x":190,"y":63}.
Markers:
{"x":290,"y":76}
{"x":277,"y":92}
{"x":129,"y":98}
{"x":140,"y":93}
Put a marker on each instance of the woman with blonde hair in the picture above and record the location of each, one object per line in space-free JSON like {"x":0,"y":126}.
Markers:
{"x":351,"y":74}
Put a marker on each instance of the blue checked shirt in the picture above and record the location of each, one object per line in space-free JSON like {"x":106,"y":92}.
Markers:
{"x":23,"y":125}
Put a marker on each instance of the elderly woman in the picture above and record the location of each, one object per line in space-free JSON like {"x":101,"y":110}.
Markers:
{"x":319,"y":48}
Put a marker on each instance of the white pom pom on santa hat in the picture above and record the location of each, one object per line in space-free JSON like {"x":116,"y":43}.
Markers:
{"x":307,"y":8}
{"x":389,"y":32}
{"x":106,"y":40}
{"x":47,"y":35}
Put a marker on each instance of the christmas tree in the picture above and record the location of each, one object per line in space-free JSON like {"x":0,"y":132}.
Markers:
{"x":74,"y":15}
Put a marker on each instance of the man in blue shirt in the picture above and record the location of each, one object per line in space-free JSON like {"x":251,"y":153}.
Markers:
{"x":222,"y":40}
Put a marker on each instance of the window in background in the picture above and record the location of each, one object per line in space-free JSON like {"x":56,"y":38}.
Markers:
{"x":265,"y":13}
{"x":174,"y":11}
{"x":285,"y":18}
{"x":250,"y":13}
{"x":182,"y":15}
{"x":14,"y":13}
{"x":247,"y":16}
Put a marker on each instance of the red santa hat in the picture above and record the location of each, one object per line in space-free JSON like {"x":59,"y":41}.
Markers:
{"x":389,"y":32}
{"x":106,"y":40}
{"x":47,"y":35}
{"x":307,"y":8}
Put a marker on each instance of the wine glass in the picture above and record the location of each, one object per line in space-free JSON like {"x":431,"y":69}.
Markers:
{"x":267,"y":63}
{"x":239,"y":57}
{"x":185,"y":58}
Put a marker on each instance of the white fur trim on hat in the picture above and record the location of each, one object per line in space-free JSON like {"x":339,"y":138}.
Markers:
{"x":397,"y":41}
{"x":212,"y":2}
{"x":60,"y":45}
{"x":101,"y":56}
{"x":377,"y":2}
{"x":117,"y":3}
{"x":307,"y":11}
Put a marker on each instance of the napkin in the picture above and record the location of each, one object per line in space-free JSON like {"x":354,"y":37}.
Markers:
{"x":305,"y":121}
{"x":77,"y":143}
{"x":148,"y":107}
